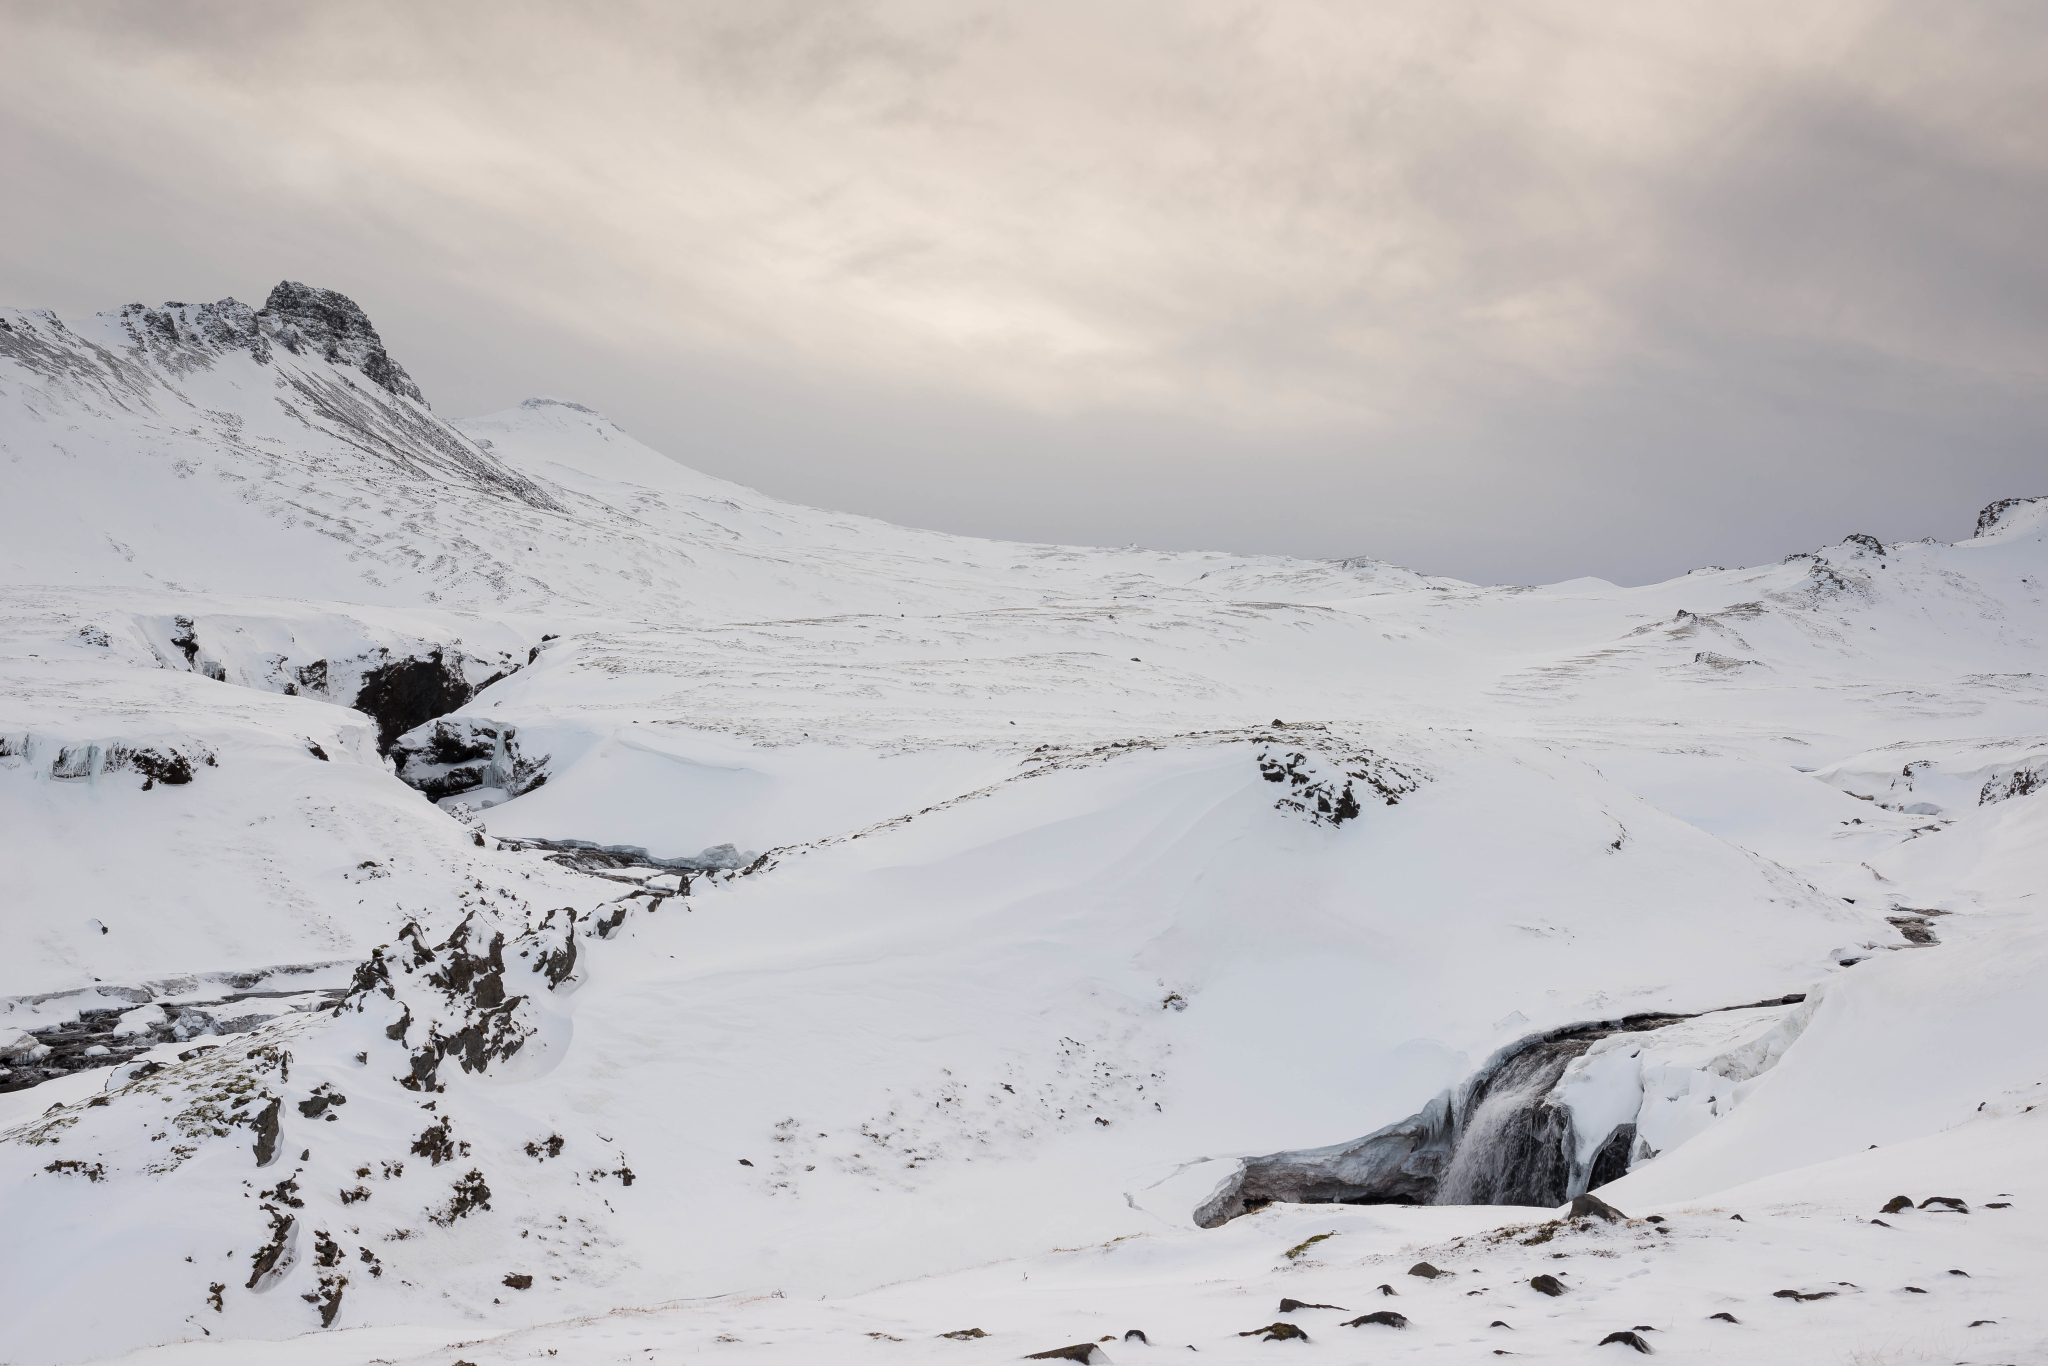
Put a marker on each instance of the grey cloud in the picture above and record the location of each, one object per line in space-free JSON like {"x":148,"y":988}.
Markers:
{"x":1512,"y":294}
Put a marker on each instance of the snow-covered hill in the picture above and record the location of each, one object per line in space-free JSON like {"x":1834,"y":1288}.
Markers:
{"x":482,"y":882}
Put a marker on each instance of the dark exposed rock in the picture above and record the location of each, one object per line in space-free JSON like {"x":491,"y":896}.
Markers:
{"x":1385,"y":1317}
{"x":1080,"y":1351}
{"x":1954,"y":1272}
{"x":213,"y":1296}
{"x":1593,"y":1207}
{"x":407,"y":693}
{"x":470,"y":1193}
{"x":1627,"y":1339}
{"x":1948,"y":1202}
{"x":328,"y":1298}
{"x":1502,"y":1323}
{"x":519,"y":1280}
{"x":1611,"y":1159}
{"x":303,"y":319}
{"x":271,"y":1256}
{"x":2022,"y":782}
{"x":1137,"y":1335}
{"x":1388,"y":1290}
{"x":435,"y":1144}
{"x":1424,"y":1270}
{"x":324,"y":1097}
{"x":1276,"y":1332}
{"x":1723,"y":1317}
{"x":267,"y":1132}
{"x":1547,"y":1285}
{"x":1803,"y":1295}
{"x":1914,"y":1290}
{"x":1915,"y":929}
{"x":1331,"y":798}
{"x":453,"y":754}
{"x":1289,"y":1306}
{"x":1897,"y":1203}
{"x":964,"y":1334}
{"x":1994,"y":513}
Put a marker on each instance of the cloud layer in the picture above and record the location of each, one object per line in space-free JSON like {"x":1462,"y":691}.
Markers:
{"x":1511,"y":292}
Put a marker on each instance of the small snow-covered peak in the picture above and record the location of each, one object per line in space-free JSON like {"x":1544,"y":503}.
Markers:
{"x":301,"y":318}
{"x":2012,"y":517}
{"x":541,"y":401}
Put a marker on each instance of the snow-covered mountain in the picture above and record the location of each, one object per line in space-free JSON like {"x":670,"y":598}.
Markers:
{"x":483,"y":883}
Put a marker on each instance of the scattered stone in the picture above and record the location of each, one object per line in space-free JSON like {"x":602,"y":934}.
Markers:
{"x":519,"y":1280}
{"x":1085,"y":1352}
{"x":964,"y":1334}
{"x":324,"y":1097}
{"x":1137,"y":1334}
{"x":1593,"y":1207}
{"x":266,"y":1132}
{"x":1500,"y":1323}
{"x":1880,"y":1223}
{"x":435,"y":1144}
{"x":1915,"y":1290}
{"x":1995,"y":1204}
{"x":1654,"y":1219}
{"x":1276,"y":1332}
{"x":1627,"y":1340}
{"x":1547,"y":1285}
{"x":1424,"y":1270}
{"x":1289,"y":1306}
{"x":266,"y":1259}
{"x":1946,"y":1202}
{"x":1388,"y":1290}
{"x":1953,"y":1272}
{"x":1723,"y":1317}
{"x":1385,"y":1317}
{"x":1897,"y":1203}
{"x":468,"y":1194}
{"x":1797,"y":1295}
{"x":328,"y":1298}
{"x":1738,"y":1219}
{"x":1979,"y":1323}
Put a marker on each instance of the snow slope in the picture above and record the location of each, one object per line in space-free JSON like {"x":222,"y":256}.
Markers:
{"x":489,"y":850}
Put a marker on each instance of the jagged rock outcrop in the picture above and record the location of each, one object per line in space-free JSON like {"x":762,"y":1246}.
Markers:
{"x":302,"y":318}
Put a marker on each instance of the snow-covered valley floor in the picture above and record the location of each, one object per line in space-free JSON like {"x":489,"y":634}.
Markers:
{"x":481,"y":892}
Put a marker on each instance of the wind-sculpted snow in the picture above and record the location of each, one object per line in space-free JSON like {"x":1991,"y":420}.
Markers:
{"x":472,"y":881}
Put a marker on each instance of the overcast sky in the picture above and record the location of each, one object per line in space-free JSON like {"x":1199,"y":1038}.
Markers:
{"x":1509,"y":292}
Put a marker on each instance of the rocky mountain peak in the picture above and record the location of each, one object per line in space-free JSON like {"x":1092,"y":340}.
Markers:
{"x":328,"y":323}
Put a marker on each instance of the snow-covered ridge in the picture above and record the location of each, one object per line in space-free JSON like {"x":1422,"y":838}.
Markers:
{"x":725,"y":897}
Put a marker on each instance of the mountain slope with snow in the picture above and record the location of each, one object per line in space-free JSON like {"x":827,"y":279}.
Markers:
{"x":476,"y":877}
